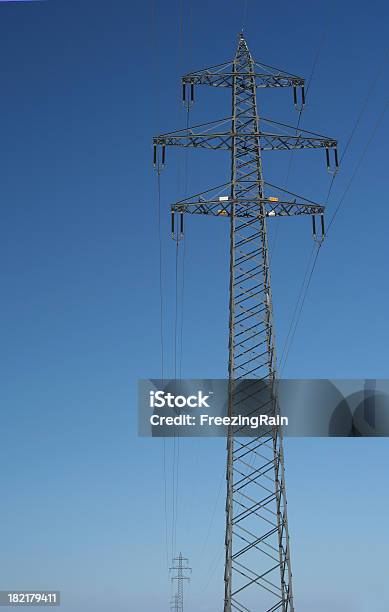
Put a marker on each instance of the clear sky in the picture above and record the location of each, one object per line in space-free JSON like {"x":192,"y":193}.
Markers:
{"x":84,"y":87}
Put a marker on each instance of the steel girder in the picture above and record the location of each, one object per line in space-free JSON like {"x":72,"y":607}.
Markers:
{"x":222,"y":75}
{"x":217,"y":204}
{"x":248,"y":140}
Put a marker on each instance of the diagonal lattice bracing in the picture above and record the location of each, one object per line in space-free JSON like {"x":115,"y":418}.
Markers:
{"x":257,"y":567}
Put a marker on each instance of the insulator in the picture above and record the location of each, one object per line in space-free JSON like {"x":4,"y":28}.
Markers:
{"x":172,"y":222}
{"x":322,"y":225}
{"x":336,"y":158}
{"x":184,"y":92}
{"x":295,"y":95}
{"x":314,"y":226}
{"x":303,"y":95}
{"x":155,"y":155}
{"x":328,"y":158}
{"x":181,"y":224}
{"x":163,"y":154}
{"x":192,"y":92}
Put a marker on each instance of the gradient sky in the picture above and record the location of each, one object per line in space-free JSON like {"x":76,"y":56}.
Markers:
{"x":84,"y":86}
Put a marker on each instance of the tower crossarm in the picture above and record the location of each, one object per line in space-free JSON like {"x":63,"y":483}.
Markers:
{"x":217,"y":202}
{"x":223,"y":140}
{"x":213,"y":135}
{"x":223,"y":75}
{"x":247,"y":208}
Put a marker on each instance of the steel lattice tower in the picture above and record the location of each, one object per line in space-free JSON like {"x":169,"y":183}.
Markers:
{"x":258,"y":573}
{"x":180,"y":567}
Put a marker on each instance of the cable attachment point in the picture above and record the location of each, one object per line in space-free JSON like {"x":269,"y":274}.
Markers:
{"x":332,"y":169}
{"x":159,"y":162}
{"x":318,"y":238}
{"x":299,"y":105}
{"x":187,"y":102}
{"x":155,"y":156}
{"x":178,"y":234}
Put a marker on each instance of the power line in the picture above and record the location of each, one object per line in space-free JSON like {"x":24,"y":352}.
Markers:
{"x":340,"y":203}
{"x":175,"y":436}
{"x":365,"y":103}
{"x":208,"y":532}
{"x":175,"y":463}
{"x":176,"y":442}
{"x":300,"y":295}
{"x":160,"y":272}
{"x":162,"y":352}
{"x":356,"y":169}
{"x":176,"y":449}
{"x":179,"y":311}
{"x":213,"y":567}
{"x":153,"y":6}
{"x":165,"y":503}
{"x":303,"y":292}
{"x":186,"y":168}
{"x":300,"y":112}
{"x":176,"y":308}
{"x":245,"y":13}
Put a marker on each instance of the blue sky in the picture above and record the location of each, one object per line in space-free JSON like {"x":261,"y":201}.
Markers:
{"x":85,"y":86}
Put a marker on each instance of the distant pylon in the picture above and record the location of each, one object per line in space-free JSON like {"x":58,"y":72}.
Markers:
{"x":180,"y":567}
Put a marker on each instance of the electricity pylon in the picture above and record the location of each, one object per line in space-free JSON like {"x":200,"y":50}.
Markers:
{"x":180,"y":567}
{"x":258,"y":574}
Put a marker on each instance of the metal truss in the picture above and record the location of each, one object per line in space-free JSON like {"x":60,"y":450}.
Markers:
{"x":219,"y":204}
{"x":258,"y":574}
{"x":180,"y":567}
{"x":269,"y":141}
{"x":222,"y":75}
